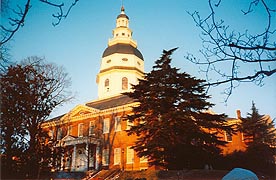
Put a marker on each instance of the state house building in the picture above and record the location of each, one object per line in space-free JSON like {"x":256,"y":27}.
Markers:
{"x":93,"y":135}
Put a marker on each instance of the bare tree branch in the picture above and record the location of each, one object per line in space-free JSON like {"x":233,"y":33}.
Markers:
{"x":58,"y":82}
{"x":4,"y":58}
{"x":228,"y":53}
{"x":60,"y":6}
{"x":15,"y":23}
{"x":19,"y":14}
{"x":247,"y":78}
{"x":253,"y":48}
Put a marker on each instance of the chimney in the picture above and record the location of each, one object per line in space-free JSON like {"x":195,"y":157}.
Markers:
{"x":238,"y":114}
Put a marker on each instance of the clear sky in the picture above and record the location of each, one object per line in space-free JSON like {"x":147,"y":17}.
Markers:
{"x":79,"y":41}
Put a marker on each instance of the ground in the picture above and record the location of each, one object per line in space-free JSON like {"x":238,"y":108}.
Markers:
{"x":176,"y":175}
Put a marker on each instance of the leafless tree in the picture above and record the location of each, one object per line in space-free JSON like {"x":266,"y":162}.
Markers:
{"x":231,"y":57}
{"x":59,"y":82}
{"x":15,"y":17}
{"x":4,"y":57}
{"x":29,"y":93}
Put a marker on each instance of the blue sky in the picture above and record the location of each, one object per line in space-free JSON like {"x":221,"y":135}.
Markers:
{"x":79,"y":41}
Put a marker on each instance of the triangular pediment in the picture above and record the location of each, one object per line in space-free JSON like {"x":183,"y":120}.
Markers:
{"x":80,"y":110}
{"x":68,"y":138}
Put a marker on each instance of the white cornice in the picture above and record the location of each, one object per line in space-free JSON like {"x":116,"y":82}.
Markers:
{"x":80,"y":117}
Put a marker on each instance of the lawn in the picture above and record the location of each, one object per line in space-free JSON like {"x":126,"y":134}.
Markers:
{"x":196,"y":174}
{"x":173,"y":175}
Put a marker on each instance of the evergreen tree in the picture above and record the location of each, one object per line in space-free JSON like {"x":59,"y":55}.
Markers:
{"x":258,"y":129}
{"x":172,"y":122}
{"x":260,"y":137}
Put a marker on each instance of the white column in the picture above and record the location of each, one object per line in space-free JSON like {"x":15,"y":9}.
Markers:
{"x":74,"y":158}
{"x":62,"y":163}
{"x":97,"y":157}
{"x":87,"y":156}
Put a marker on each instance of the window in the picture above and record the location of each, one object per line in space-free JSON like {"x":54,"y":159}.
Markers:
{"x":106,"y":83}
{"x":105,"y":159}
{"x":124,"y":59}
{"x":117,"y":156}
{"x":108,"y":61}
{"x":91,"y":128}
{"x":80,"y":130}
{"x":123,"y":34}
{"x":124,"y":83}
{"x":118,"y":126}
{"x":106,"y":126}
{"x":143,"y":159}
{"x":130,"y":155}
{"x":142,"y":120}
{"x":59,"y":134}
{"x":228,"y":136}
{"x":51,"y":134}
{"x":129,"y":124}
{"x":242,"y":136}
{"x":69,"y":130}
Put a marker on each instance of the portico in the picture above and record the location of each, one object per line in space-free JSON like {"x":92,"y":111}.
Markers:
{"x":80,"y":153}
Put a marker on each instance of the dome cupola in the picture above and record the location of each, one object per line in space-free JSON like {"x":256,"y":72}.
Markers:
{"x":122,"y":15}
{"x":122,"y":41}
{"x":122,"y":63}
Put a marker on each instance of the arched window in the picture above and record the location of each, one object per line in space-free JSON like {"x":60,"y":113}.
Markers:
{"x":106,"y":83}
{"x":124,"y":83}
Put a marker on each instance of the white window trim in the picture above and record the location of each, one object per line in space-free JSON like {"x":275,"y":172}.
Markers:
{"x":105,"y":157}
{"x":130,"y":160}
{"x":106,"y":126}
{"x":225,"y":134}
{"x":117,"y":156}
{"x":129,"y":125}
{"x":118,"y":126}
{"x":91,"y":124}
{"x":80,"y":125}
{"x":51,"y":134}
{"x":69,"y":130}
{"x":143,"y":159}
{"x":242,"y":136}
{"x":59,"y":134}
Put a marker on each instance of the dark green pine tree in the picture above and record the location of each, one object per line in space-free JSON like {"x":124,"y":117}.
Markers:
{"x":260,"y":137}
{"x":174,"y":129}
{"x":258,"y":129}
